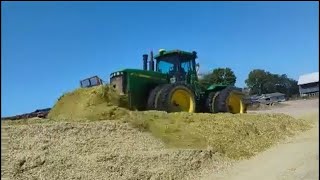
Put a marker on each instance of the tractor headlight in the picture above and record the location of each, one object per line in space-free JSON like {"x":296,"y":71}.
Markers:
{"x":116,"y":74}
{"x":172,"y":80}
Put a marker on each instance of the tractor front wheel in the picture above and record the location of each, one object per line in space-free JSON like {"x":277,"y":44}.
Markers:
{"x":154,"y":97}
{"x":177,"y":98}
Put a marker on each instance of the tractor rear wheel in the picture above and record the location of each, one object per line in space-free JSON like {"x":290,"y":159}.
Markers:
{"x":229,"y":100}
{"x":154,"y":97}
{"x":177,"y":98}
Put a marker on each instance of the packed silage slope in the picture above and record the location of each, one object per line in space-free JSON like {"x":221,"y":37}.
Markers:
{"x":89,"y":135}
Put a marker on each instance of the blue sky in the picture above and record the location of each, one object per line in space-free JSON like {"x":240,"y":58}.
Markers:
{"x":47,"y":47}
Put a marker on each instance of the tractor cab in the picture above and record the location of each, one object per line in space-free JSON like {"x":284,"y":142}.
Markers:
{"x":179,"y":65}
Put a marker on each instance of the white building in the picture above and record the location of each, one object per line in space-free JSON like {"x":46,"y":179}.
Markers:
{"x":309,"y":84}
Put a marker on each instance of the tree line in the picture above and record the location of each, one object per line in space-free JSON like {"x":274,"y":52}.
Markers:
{"x":258,"y":81}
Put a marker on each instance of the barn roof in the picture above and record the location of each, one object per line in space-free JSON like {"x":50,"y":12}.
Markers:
{"x":308,"y":78}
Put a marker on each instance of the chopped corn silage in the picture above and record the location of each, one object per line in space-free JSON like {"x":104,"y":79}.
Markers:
{"x":95,"y":103}
{"x":234,"y":135}
{"x":135,"y":145}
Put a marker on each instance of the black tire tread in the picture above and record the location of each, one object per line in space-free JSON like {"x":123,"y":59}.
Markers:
{"x":166,"y":92}
{"x":208,"y":103}
{"x":152,"y":96}
{"x":220,"y":104}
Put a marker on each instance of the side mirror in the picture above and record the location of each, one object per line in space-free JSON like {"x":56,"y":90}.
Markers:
{"x":197,"y":67}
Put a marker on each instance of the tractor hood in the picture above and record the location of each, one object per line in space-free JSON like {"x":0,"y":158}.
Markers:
{"x":137,"y":84}
{"x":141,"y":73}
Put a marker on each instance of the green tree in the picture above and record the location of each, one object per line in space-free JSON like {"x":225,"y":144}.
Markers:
{"x":262,"y":82}
{"x":257,"y":81}
{"x":219,"y":76}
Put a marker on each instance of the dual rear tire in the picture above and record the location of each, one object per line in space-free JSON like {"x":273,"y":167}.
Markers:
{"x":172,"y":98}
{"x":227,"y":100}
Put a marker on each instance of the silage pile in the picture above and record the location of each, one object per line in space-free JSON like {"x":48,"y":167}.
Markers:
{"x":236,"y":136}
{"x":98,"y":150}
{"x":115,"y":143}
{"x":95,"y":103}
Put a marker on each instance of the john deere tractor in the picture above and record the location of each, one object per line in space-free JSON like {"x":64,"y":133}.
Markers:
{"x":171,"y":84}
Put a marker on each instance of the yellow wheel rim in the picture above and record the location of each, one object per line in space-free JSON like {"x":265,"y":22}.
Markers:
{"x":235,"y":103}
{"x":182,"y":100}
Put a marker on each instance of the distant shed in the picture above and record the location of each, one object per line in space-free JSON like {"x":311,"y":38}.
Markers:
{"x":309,"y":84}
{"x":279,"y":97}
{"x":273,"y":97}
{"x":268,"y":98}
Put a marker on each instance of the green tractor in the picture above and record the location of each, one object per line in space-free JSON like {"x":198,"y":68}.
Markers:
{"x":173,"y":86}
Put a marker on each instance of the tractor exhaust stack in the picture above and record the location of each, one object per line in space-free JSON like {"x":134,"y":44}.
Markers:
{"x":145,"y":62}
{"x":151,"y":62}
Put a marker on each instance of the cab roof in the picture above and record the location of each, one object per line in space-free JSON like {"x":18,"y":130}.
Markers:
{"x":176,"y":51}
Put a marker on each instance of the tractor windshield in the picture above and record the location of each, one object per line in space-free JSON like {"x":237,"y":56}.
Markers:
{"x":165,"y":67}
{"x":167,"y":64}
{"x":174,"y":64}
